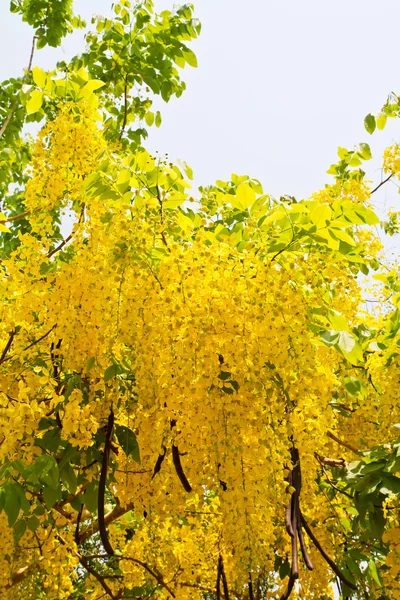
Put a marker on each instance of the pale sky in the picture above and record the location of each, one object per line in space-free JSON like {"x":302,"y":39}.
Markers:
{"x":280,"y":85}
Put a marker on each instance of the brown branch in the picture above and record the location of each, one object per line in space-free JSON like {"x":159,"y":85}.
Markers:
{"x":57,"y":507}
{"x":72,"y":497}
{"x":176,"y":459}
{"x":381,"y":183}
{"x":125,"y":110}
{"x":157,"y":576}
{"x":33,"y":343}
{"x":15,"y":103}
{"x":224,"y":581}
{"x":16,"y":217}
{"x":78,"y":520}
{"x":40,"y":339}
{"x":102,"y":485}
{"x":199,"y":586}
{"x":341,"y":443}
{"x":339,"y":463}
{"x":67,"y":239}
{"x":219,"y":572}
{"x":251,"y":594}
{"x":97,"y":576}
{"x":328,"y":559}
{"x":87,"y":566}
{"x":32,"y":53}
{"x":335,"y":487}
{"x":21,"y":574}
{"x":7,"y":346}
{"x":59,"y":247}
{"x":113,"y":515}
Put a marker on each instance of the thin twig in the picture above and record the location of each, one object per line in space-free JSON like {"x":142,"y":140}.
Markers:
{"x":67,"y":239}
{"x":87,"y":566}
{"x":16,"y":217}
{"x":157,"y":576}
{"x":125,"y":110}
{"x":15,"y":103}
{"x":7,"y":346}
{"x":381,"y":183}
{"x":328,"y":559}
{"x":339,"y":463}
{"x":341,"y":443}
{"x":113,"y":515}
{"x":41,"y":338}
{"x":78,"y":520}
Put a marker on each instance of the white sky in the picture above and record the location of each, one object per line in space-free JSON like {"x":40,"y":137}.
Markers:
{"x":280,"y":85}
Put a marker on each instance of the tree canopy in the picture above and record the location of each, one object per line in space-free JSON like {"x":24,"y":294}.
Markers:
{"x":195,"y":400}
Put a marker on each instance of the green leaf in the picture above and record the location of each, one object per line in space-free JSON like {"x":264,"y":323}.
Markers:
{"x":321,"y":215}
{"x":51,"y":440}
{"x":381,"y":121}
{"x":366,"y":215}
{"x":245,"y":196}
{"x":349,"y":347}
{"x":330,"y":338}
{"x":90,"y":363}
{"x":374,"y":572}
{"x":12,"y":503}
{"x":19,"y":530}
{"x":128,"y":442}
{"x":172,"y":203}
{"x":35,"y":102}
{"x":149,"y":118}
{"x":224,"y":375}
{"x":134,"y":592}
{"x":91,"y":86}
{"x":110,"y":372}
{"x":352,"y":385}
{"x":33,"y":523}
{"x":68,"y":477}
{"x":158,"y":119}
{"x":39,"y":76}
{"x":364,"y":151}
{"x":46,"y":469}
{"x":51,"y":495}
{"x":392,"y":483}
{"x":370,"y":123}
{"x":190,"y":57}
{"x":91,"y":496}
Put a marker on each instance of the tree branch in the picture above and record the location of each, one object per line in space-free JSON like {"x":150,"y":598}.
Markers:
{"x":125,"y":110}
{"x":328,"y":559}
{"x":15,"y":103}
{"x":110,"y":517}
{"x":67,"y":239}
{"x":16,"y":217}
{"x":7,"y":346}
{"x":341,"y":443}
{"x":381,"y":183}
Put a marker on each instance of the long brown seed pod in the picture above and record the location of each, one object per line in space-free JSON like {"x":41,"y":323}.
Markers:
{"x":102,"y":485}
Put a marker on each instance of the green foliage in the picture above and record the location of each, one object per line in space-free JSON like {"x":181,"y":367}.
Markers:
{"x":50,"y":20}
